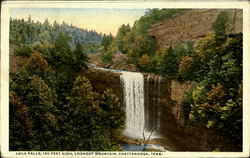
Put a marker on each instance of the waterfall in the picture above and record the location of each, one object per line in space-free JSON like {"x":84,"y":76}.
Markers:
{"x":155,"y":103}
{"x":141,"y":116}
{"x":147,"y":125}
{"x":133,"y":89}
{"x":158,"y":103}
{"x":157,"y":99}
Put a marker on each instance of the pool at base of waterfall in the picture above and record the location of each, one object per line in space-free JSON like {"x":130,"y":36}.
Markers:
{"x":142,"y":147}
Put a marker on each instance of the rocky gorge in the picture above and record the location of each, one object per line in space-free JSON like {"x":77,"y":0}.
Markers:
{"x":164,"y":111}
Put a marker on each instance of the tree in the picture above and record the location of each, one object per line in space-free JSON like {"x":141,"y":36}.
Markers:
{"x":62,"y":61}
{"x":28,"y":32}
{"x":37,"y":64}
{"x":220,"y":26}
{"x":121,"y":38}
{"x":40,"y":99}
{"x":20,"y":124}
{"x":108,"y":55}
{"x":216,"y":101}
{"x":145,"y":62}
{"x":142,"y":44}
{"x":185,"y":67}
{"x":33,"y":104}
{"x":61,"y":54}
{"x":106,"y":41}
{"x":113,"y":116}
{"x":82,"y":125}
{"x":23,"y":51}
{"x":169,"y":65}
{"x":81,"y":57}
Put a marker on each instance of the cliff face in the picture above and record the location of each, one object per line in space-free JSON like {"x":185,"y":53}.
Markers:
{"x":193,"y":25}
{"x":101,"y":80}
{"x":166,"y":97}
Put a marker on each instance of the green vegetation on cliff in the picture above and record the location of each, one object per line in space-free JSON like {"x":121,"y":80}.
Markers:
{"x":213,"y":63}
{"x":134,"y":42}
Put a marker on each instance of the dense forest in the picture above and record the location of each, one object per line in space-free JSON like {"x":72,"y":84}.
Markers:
{"x":214,"y":64}
{"x":53,"y":106}
{"x":29,"y":32}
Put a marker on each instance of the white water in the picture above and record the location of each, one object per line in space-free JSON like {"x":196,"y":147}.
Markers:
{"x":147,"y":103}
{"x":133,"y":89}
{"x":133,"y":93}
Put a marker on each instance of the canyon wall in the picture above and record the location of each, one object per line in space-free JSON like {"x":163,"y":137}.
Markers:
{"x":167,"y":96}
{"x":193,"y":25}
{"x":101,"y":80}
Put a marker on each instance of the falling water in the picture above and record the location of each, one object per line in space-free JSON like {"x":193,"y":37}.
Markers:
{"x":137,"y":116}
{"x":147,"y":104}
{"x":158,"y":103}
{"x":133,"y":89}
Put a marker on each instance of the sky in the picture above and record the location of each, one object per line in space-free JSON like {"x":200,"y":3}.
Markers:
{"x":101,"y":20}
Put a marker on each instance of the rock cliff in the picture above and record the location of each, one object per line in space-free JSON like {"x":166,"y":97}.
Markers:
{"x":101,"y":80}
{"x":193,"y":25}
{"x":167,"y":96}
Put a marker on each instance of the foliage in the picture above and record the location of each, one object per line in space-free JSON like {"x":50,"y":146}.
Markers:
{"x":23,"y":51}
{"x":135,"y":41}
{"x":40,"y":98}
{"x":82,"y":111}
{"x":20,"y":124}
{"x":154,"y":15}
{"x":107,"y":49}
{"x":37,"y":64}
{"x":61,"y":54}
{"x":122,"y":38}
{"x":169,"y":65}
{"x":113,"y":113}
{"x":106,"y":41}
{"x":81,"y":57}
{"x":108,"y":56}
{"x":145,"y":62}
{"x":220,"y":26}
{"x":185,"y":67}
{"x":28,"y":32}
{"x":142,"y":44}
{"x":217,"y":101}
{"x":90,"y":48}
{"x":51,"y":111}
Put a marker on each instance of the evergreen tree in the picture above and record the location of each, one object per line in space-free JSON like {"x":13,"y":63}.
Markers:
{"x":83,"y":122}
{"x":220,"y":26}
{"x":28,"y":32}
{"x":40,"y":98}
{"x":20,"y":124}
{"x":121,"y":38}
{"x":113,"y":113}
{"x":106,"y":41}
{"x":169,"y":65}
{"x":81,"y":57}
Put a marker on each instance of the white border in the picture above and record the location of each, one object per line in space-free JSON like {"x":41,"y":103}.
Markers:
{"x":6,"y":5}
